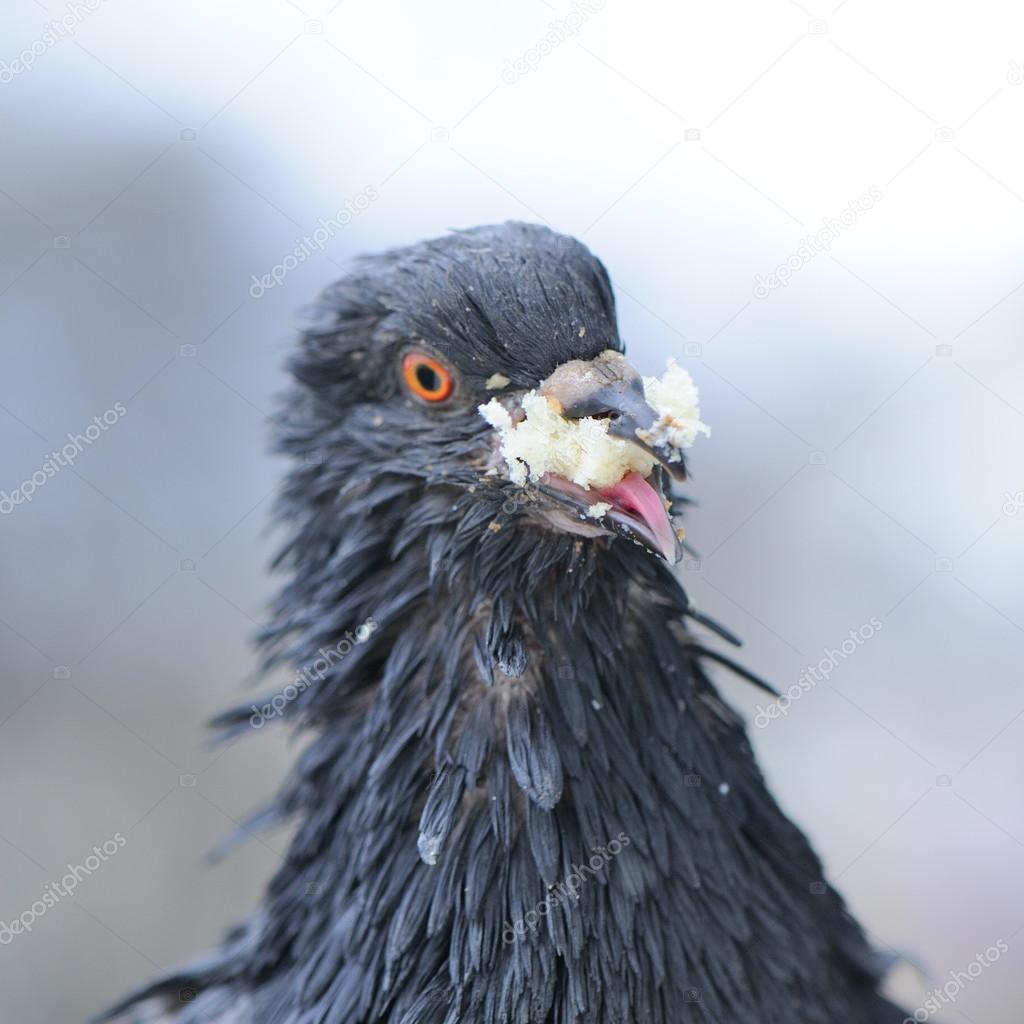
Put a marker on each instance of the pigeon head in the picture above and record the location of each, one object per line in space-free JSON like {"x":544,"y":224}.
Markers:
{"x":423,"y":361}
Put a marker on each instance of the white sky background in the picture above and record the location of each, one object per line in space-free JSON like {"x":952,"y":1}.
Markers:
{"x":867,"y":417}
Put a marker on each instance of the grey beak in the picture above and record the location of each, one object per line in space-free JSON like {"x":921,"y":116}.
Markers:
{"x":610,"y":387}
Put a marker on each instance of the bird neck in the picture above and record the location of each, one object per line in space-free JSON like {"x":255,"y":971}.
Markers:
{"x":524,"y":772}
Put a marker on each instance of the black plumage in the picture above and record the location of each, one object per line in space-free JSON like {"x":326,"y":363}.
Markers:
{"x":525,"y":802}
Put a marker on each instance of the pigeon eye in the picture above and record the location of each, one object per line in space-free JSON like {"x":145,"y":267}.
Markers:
{"x":426,"y":377}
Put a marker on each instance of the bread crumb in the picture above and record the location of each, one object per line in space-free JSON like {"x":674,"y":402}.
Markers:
{"x":582,"y":450}
{"x":496,"y":382}
{"x":598,"y":509}
{"x":674,"y":395}
{"x":546,"y":442}
{"x":494,"y":526}
{"x":581,"y":333}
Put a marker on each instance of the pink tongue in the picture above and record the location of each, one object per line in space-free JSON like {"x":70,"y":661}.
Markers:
{"x":636,"y":497}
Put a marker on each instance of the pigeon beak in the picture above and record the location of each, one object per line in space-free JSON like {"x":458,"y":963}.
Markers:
{"x":609,"y":387}
{"x":639,"y":511}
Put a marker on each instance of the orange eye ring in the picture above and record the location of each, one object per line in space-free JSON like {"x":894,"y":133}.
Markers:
{"x":426,"y":377}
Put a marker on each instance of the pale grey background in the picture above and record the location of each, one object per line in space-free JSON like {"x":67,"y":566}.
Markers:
{"x":161,"y":155}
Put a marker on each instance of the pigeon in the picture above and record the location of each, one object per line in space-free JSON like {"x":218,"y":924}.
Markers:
{"x":523,"y":800}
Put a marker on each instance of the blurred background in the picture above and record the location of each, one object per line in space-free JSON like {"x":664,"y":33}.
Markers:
{"x":816,"y":207}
